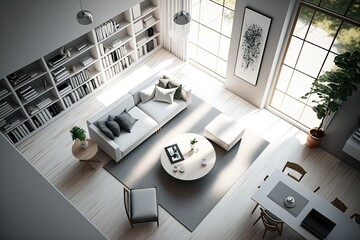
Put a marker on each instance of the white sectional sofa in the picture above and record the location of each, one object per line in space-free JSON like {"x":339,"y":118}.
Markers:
{"x":151,"y":115}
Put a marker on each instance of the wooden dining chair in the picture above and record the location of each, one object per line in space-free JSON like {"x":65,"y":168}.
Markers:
{"x":295,"y":167}
{"x":270,"y":221}
{"x":356,"y":217}
{"x":339,"y":204}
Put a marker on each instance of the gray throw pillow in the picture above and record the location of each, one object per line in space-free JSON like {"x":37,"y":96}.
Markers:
{"x":175,"y":84}
{"x":113,"y":126}
{"x":164,"y":95}
{"x":125,"y":120}
{"x":163,"y":82}
{"x":104,"y":129}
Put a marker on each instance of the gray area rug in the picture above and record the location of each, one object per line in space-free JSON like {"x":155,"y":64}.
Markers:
{"x":188,"y":202}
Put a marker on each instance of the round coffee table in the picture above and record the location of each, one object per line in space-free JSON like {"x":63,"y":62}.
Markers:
{"x":85,"y":154}
{"x":193,"y":159}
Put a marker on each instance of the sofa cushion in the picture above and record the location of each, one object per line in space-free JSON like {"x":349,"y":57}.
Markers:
{"x":105,"y":129}
{"x":161,"y":112}
{"x":147,"y":94}
{"x":113,"y":126}
{"x":164,"y":95}
{"x":177,"y":85}
{"x":139,"y":132}
{"x":163,"y":82}
{"x":125,"y":120}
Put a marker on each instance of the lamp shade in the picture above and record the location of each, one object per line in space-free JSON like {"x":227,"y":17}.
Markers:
{"x":84,"y":17}
{"x":182,"y":18}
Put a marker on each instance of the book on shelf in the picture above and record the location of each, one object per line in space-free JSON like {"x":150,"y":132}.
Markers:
{"x":101,"y":49}
{"x":86,"y":60}
{"x":81,"y":47}
{"x":150,"y":46}
{"x":141,"y":41}
{"x":136,"y":11}
{"x":64,"y":89}
{"x":138,"y":26}
{"x":116,"y":42}
{"x":18,"y":77}
{"x":56,"y":60}
{"x":3,"y":92}
{"x":41,"y":103}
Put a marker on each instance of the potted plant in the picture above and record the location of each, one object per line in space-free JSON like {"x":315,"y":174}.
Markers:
{"x":80,"y":134}
{"x":192,"y":143}
{"x":332,"y":88}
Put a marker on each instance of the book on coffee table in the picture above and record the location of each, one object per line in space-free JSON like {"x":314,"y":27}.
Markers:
{"x":174,"y":154}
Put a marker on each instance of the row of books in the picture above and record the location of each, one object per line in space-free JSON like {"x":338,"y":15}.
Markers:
{"x":114,"y":56}
{"x":19,"y":132}
{"x":79,"y":78}
{"x":149,"y":20}
{"x":3,"y":92}
{"x":106,"y":29}
{"x":46,"y":115}
{"x":82,"y":91}
{"x":28,"y":93}
{"x":60,"y":73}
{"x":20,"y":76}
{"x":148,"y":47}
{"x":5,"y":109}
{"x":118,"y":67}
{"x":9,"y":124}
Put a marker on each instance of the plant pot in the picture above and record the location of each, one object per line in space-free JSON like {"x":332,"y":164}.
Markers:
{"x":314,"y":140}
{"x":84,"y":144}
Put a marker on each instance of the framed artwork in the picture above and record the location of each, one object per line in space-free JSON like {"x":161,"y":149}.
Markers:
{"x":174,"y":154}
{"x":254,"y":33}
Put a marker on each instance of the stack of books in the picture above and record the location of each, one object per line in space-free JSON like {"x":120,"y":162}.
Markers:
{"x":5,"y":109}
{"x":56,"y":60}
{"x":11,"y":123}
{"x":28,"y":93}
{"x":2,"y":122}
{"x":64,"y":89}
{"x":32,"y":109}
{"x":81,"y":47}
{"x":149,"y":20}
{"x":18,"y":77}
{"x":141,"y":41}
{"x":60,"y":73}
{"x":41,"y":103}
{"x":3,"y":92}
{"x":86,"y":60}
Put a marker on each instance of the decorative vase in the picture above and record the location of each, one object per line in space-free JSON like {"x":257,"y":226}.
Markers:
{"x":84,"y":144}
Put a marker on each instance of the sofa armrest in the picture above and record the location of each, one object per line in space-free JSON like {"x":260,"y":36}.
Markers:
{"x":105,"y":143}
{"x":186,"y":95}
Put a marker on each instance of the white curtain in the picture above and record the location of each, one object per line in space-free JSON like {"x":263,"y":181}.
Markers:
{"x":174,"y":42}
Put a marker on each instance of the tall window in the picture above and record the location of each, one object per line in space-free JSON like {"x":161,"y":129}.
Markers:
{"x":210,"y":35}
{"x":323,"y":29}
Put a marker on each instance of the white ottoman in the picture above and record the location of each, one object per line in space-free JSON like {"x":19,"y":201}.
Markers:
{"x":224,"y":131}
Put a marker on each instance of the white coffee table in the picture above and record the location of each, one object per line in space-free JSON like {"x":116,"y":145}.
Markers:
{"x":192,"y":165}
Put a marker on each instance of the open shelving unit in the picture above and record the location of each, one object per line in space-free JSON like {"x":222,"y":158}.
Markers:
{"x":39,"y":93}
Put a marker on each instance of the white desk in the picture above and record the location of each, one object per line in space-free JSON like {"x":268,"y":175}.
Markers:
{"x":345,"y":227}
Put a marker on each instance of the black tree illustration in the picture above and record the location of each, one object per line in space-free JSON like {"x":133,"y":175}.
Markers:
{"x":251,"y":46}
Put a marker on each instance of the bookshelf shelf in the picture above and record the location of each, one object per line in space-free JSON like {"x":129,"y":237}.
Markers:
{"x":70,"y":73}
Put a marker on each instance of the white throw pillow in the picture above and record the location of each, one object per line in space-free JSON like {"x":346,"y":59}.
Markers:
{"x":164,"y":95}
{"x":147,"y":94}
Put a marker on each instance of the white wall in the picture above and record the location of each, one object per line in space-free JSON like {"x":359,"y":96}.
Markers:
{"x":31,"y":207}
{"x":280,"y":11}
{"x":31,"y":29}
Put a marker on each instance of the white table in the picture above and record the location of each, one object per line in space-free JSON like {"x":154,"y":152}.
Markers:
{"x":192,"y":163}
{"x":345,"y":227}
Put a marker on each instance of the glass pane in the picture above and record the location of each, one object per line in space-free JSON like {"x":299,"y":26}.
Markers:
{"x":293,"y":51}
{"x":224,"y":47}
{"x":230,"y":4}
{"x":195,"y":11}
{"x":329,"y":63}
{"x":209,"y":40}
{"x":221,"y":68}
{"x":211,"y":14}
{"x":308,"y":118}
{"x":284,"y":78}
{"x":221,"y":2}
{"x":313,"y":1}
{"x":323,"y":29}
{"x":206,"y":59}
{"x":227,"y":24}
{"x":303,"y":22}
{"x":311,"y":59}
{"x":277,"y":99}
{"x":194,"y":33}
{"x":348,"y":39}
{"x":299,"y":85}
{"x":292,"y":107}
{"x":354,"y":11}
{"x":338,"y":6}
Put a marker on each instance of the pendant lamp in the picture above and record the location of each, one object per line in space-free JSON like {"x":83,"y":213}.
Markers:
{"x":84,"y":17}
{"x":181,"y":26}
{"x":182,"y":18}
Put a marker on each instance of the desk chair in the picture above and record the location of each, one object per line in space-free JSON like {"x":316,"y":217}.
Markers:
{"x":339,"y":204}
{"x":270,"y":221}
{"x":141,"y":205}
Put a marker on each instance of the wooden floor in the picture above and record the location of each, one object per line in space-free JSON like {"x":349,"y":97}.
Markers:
{"x":98,"y":195}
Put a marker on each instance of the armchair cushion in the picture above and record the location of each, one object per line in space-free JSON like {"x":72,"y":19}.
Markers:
{"x":164,"y":95}
{"x":125,"y":120}
{"x":143,"y":204}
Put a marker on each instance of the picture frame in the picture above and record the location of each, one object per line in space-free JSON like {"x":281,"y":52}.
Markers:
{"x":253,"y":37}
{"x":174,"y":154}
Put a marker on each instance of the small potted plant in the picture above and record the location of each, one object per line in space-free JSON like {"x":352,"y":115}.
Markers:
{"x":79,"y":133}
{"x":192,"y":143}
